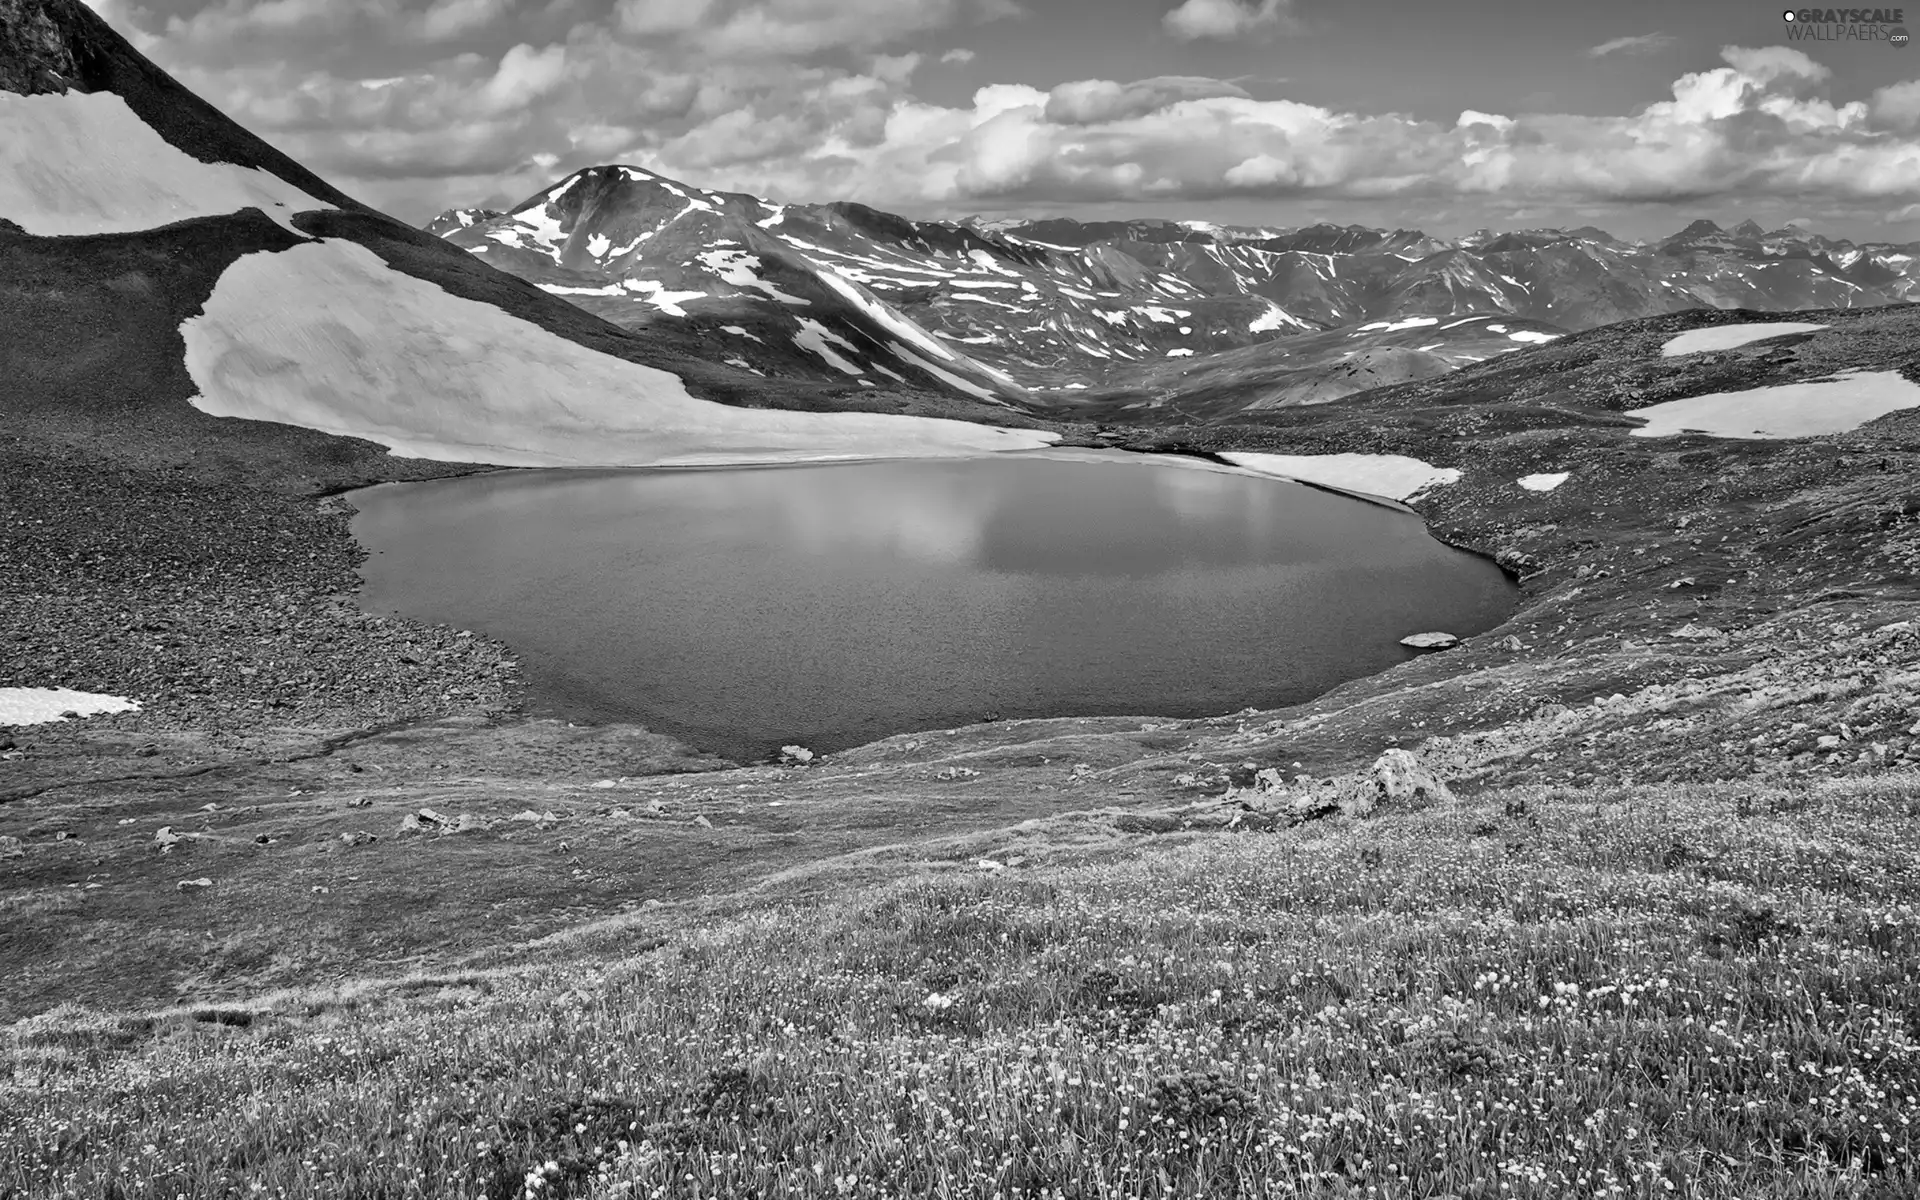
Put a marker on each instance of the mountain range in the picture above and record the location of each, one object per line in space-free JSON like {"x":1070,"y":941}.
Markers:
{"x":1119,"y":319}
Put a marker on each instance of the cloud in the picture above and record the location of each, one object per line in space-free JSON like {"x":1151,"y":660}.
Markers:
{"x":1645,"y":43}
{"x":1758,"y":126}
{"x":524,"y":75}
{"x":652,"y":17}
{"x":417,"y":128}
{"x":445,"y":20}
{"x":1093,"y":101}
{"x":1897,"y":106}
{"x":794,"y":29}
{"x":957,"y":55}
{"x":1908,"y":212}
{"x":1229,"y":19}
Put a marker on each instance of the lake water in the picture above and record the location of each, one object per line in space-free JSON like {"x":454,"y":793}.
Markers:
{"x":741,"y":609}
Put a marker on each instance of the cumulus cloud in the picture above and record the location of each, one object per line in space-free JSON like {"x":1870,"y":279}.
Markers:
{"x":1229,"y":19}
{"x":696,"y":98}
{"x":1093,"y":101}
{"x":524,"y":75}
{"x":1897,"y":106}
{"x":1759,"y":125}
{"x":788,"y":29}
{"x":445,"y":20}
{"x":1645,"y":43}
{"x":646,"y":17}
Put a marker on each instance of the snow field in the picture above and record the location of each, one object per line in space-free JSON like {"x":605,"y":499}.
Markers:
{"x":327,"y":336}
{"x":1395,"y":476}
{"x":83,"y":162}
{"x":1789,"y":410}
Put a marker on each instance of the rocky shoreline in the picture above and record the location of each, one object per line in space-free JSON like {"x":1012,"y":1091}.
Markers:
{"x":217,"y":590}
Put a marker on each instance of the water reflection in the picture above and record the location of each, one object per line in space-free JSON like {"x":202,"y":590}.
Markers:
{"x":829,"y":605}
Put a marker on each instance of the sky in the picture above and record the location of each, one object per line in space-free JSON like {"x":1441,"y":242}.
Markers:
{"x":1638,"y":116}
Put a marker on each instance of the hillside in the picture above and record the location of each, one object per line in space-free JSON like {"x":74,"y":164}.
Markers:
{"x":1631,"y":911}
{"x":1206,"y":318}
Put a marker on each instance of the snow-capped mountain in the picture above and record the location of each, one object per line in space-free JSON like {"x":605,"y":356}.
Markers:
{"x":241,"y":285}
{"x":1029,"y":310}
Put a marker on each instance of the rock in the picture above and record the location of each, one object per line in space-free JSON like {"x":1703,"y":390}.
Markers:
{"x":359,"y":837}
{"x":1512,"y":644}
{"x":1146,"y":822}
{"x":703,"y":823}
{"x":194,"y":885}
{"x":533,"y":818}
{"x":604,"y":784}
{"x":1697,"y":633}
{"x":1430,"y":641}
{"x":360,"y":802}
{"x":948,"y":773}
{"x":411,"y":823}
{"x":988,"y":864}
{"x":468,"y":823}
{"x":1399,"y":779}
{"x":10,"y":847}
{"x":165,"y":838}
{"x":794,"y":756}
{"x":431,"y":817}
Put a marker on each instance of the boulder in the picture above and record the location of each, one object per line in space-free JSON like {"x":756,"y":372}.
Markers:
{"x":194,"y":885}
{"x":1698,"y":633}
{"x":165,"y":838}
{"x":10,"y":847}
{"x":795,"y":755}
{"x":1430,"y":641}
{"x":1399,"y":780}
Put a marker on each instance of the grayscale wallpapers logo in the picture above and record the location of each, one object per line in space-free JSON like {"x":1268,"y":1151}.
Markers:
{"x":1847,"y":25}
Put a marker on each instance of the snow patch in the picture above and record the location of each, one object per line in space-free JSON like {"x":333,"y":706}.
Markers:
{"x":1790,"y":410}
{"x":599,"y":244}
{"x":737,"y":268}
{"x":1543,"y":483}
{"x":740,"y":331}
{"x":1394,"y":476}
{"x":1530,"y":335}
{"x":1274,"y":318}
{"x":1409,"y":323}
{"x":43,"y":706}
{"x":1726,"y":337}
{"x":814,"y":336}
{"x":560,"y":289}
{"x":987,"y":260}
{"x":327,"y":336}
{"x":75,"y":163}
{"x":1179,"y":352}
{"x":657,"y":294}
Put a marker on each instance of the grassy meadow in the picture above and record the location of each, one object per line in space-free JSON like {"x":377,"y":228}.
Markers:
{"x":1703,"y":991}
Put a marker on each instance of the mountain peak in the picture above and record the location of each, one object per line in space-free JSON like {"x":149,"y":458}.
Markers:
{"x":1749,"y":228}
{"x":1699,"y":229}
